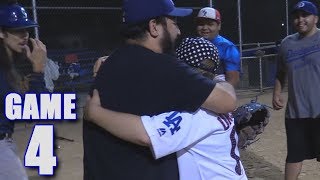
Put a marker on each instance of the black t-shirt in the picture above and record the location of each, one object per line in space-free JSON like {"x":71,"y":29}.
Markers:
{"x":136,"y":80}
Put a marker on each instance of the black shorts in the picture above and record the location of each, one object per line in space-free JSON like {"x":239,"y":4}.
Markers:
{"x":303,"y":139}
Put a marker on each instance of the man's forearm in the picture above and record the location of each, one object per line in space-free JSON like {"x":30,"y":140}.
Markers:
{"x":222,"y":99}
{"x":277,"y":87}
{"x":281,"y":74}
{"x":125,"y":126}
{"x":233,"y":77}
{"x":228,"y":89}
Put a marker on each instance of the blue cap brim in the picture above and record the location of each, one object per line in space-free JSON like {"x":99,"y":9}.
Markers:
{"x":301,"y":10}
{"x":24,"y":25}
{"x":180,"y":12}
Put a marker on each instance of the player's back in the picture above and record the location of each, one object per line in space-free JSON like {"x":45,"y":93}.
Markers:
{"x":123,"y":85}
{"x":214,"y":156}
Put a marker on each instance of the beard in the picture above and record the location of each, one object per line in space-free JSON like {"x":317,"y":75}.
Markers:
{"x":168,"y":44}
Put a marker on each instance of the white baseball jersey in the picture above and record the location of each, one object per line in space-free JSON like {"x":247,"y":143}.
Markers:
{"x":206,"y":144}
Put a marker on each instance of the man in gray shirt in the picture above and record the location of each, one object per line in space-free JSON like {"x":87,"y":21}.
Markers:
{"x":299,"y":61}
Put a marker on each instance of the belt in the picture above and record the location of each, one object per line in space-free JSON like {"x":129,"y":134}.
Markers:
{"x":5,"y":135}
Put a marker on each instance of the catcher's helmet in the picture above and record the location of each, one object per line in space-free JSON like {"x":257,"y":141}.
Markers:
{"x":194,"y":52}
{"x":15,"y":16}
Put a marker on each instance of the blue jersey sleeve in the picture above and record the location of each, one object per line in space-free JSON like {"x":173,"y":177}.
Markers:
{"x":231,"y":59}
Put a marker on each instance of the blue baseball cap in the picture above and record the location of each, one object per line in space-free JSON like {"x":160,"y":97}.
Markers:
{"x":16,"y":17}
{"x":305,"y":6}
{"x":136,"y":11}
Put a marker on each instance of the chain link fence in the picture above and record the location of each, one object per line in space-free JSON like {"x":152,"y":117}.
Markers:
{"x":258,"y":73}
{"x":78,"y":32}
{"x":258,"y":66}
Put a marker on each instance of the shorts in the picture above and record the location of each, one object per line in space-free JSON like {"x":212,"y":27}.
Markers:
{"x":303,"y":139}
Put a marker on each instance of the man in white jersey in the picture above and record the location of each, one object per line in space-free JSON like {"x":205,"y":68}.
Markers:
{"x":206,"y":143}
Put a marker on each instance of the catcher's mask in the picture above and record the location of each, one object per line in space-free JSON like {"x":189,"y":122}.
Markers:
{"x":250,"y":114}
{"x":262,"y":115}
{"x":15,"y":16}
{"x":250,"y":120}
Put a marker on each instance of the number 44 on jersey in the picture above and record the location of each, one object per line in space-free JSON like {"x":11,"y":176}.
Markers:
{"x":39,"y":152}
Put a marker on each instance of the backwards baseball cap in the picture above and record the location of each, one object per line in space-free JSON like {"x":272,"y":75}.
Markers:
{"x":194,"y":51}
{"x":15,"y":16}
{"x":136,"y":11}
{"x":209,"y":13}
{"x":305,"y":6}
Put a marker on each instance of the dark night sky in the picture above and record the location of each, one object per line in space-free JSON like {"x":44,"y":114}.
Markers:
{"x":261,"y":21}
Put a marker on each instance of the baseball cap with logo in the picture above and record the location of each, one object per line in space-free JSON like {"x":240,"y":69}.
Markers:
{"x":305,"y":6}
{"x":209,"y":13}
{"x":136,"y":11}
{"x":15,"y":16}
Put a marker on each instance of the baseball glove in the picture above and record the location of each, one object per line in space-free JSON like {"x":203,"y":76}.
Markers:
{"x":250,"y":120}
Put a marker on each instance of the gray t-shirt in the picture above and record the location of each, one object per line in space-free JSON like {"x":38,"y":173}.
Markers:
{"x":300,"y":58}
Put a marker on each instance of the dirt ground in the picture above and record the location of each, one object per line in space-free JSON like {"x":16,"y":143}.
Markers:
{"x":262,"y":160}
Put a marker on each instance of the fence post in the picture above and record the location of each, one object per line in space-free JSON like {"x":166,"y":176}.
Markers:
{"x":260,"y":71}
{"x":287,"y":18}
{"x":35,"y":18}
{"x":210,"y":3}
{"x":240,"y":32}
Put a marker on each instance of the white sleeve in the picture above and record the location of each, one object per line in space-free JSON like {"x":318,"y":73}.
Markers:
{"x":220,"y":77}
{"x":173,"y":131}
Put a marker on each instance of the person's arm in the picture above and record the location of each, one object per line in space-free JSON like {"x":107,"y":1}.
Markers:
{"x":222,"y":99}
{"x":232,"y":65}
{"x":165,"y":133}
{"x":38,"y":58}
{"x":97,"y":65}
{"x":278,"y":101}
{"x":182,"y":88}
{"x":233,"y":77}
{"x":223,"y":91}
{"x":125,"y":126}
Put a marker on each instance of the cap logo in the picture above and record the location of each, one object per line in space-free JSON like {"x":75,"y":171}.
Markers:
{"x":13,"y":17}
{"x":204,"y":13}
{"x":301,"y":4}
{"x":24,"y":14}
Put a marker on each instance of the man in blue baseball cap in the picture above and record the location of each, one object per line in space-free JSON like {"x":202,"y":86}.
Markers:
{"x":15,"y":17}
{"x":162,"y":12}
{"x":15,"y":26}
{"x":305,"y":6}
{"x":141,"y":10}
{"x":14,"y":50}
{"x":144,"y":78}
{"x":298,"y":65}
